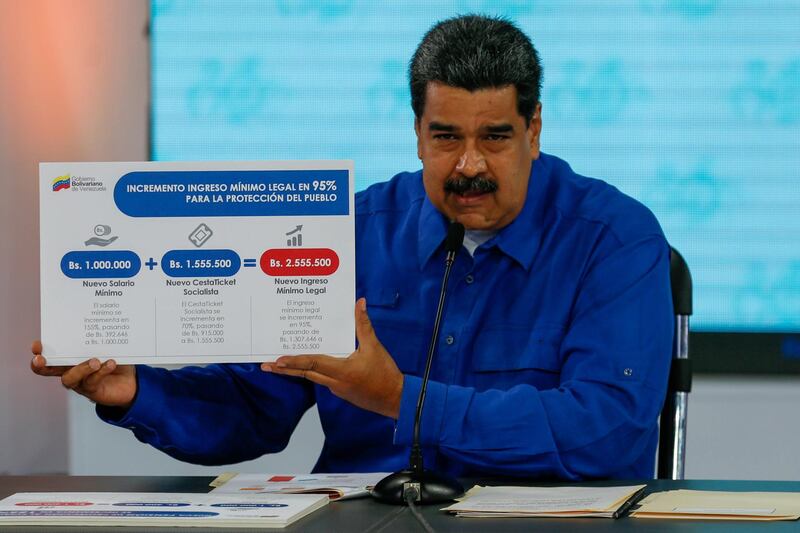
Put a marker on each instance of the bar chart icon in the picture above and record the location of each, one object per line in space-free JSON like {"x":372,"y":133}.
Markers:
{"x":295,"y":238}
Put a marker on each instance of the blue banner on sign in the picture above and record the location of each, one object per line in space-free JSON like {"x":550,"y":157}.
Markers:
{"x":200,"y":263}
{"x":86,"y":264}
{"x":232,"y":193}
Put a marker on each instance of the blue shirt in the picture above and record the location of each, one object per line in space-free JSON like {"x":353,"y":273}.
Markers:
{"x":552,"y":360}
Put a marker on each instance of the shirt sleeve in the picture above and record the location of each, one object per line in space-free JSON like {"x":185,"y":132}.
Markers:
{"x":213,"y":415}
{"x":600,"y":419}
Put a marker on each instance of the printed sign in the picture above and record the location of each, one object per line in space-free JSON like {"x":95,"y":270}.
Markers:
{"x":196,"y":262}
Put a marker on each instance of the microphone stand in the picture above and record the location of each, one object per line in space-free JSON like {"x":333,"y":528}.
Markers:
{"x":416,"y":484}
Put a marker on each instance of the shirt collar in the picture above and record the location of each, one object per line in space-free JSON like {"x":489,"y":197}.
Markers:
{"x":432,"y":231}
{"x":519,"y":240}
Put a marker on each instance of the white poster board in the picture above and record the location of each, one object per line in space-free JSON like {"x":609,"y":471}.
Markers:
{"x":164,"y":263}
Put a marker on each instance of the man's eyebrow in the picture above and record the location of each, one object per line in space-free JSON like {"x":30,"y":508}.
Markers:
{"x":500,"y":128}
{"x":440,"y":126}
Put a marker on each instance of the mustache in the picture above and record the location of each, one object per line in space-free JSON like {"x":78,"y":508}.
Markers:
{"x":463,"y":185}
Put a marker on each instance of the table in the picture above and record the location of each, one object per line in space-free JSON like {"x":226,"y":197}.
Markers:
{"x":373,"y":517}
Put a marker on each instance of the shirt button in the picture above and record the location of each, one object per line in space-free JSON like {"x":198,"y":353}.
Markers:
{"x":469,"y":278}
{"x":450,"y":339}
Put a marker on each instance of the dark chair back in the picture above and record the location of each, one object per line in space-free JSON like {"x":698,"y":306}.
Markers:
{"x":672,"y":433}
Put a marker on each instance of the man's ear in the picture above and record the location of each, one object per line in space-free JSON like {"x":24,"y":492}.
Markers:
{"x":535,"y":131}
{"x":417,"y":131}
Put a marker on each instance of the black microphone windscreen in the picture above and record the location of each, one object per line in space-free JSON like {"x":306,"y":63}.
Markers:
{"x":455,"y":237}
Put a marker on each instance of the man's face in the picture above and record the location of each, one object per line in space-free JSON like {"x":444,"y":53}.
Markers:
{"x":476,"y":153}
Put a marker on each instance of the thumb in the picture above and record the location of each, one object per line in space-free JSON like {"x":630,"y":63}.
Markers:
{"x":364,"y":332}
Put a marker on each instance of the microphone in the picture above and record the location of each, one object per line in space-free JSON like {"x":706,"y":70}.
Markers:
{"x":415,"y":484}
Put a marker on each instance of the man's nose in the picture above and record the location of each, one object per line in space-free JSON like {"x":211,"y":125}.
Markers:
{"x":471,"y":163}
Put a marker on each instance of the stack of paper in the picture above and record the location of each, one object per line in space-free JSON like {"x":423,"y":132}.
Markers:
{"x":714,"y":505}
{"x":156,"y":509}
{"x":496,"y":502}
{"x":336,"y":486}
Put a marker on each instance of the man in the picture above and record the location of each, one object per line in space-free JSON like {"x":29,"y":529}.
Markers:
{"x":555,"y":341}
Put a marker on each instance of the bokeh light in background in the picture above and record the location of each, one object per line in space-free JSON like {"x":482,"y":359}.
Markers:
{"x":691,"y":106}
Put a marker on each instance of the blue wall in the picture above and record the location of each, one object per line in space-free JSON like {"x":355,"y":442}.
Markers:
{"x":691,"y":106}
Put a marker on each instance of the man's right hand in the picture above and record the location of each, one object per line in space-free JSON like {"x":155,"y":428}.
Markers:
{"x":107,"y":383}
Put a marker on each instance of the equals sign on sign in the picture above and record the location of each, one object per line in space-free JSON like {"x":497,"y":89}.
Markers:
{"x":249,"y":263}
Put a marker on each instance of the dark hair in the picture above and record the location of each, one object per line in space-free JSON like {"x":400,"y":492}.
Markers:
{"x":476,"y":52}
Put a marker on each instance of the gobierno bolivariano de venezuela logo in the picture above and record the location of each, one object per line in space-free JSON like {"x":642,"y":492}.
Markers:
{"x":62,"y":182}
{"x":78,"y":183}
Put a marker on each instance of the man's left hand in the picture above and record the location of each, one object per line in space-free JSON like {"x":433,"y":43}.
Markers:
{"x":367,"y":378}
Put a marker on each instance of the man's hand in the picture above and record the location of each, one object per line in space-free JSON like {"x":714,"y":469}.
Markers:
{"x":368,"y":377}
{"x":106,"y":383}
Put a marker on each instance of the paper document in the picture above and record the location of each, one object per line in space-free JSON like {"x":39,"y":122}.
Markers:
{"x":717,"y":505}
{"x":156,"y":509}
{"x":336,"y":486}
{"x":173,"y":262}
{"x":609,"y":502}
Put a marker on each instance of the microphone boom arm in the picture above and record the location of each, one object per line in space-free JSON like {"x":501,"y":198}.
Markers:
{"x":416,"y":450}
{"x":415,"y":484}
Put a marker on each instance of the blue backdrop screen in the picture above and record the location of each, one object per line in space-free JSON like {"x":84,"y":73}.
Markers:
{"x":691,"y":106}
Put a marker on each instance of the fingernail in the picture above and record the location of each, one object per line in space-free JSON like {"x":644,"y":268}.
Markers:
{"x":265,"y":367}
{"x":362,"y":304}
{"x":280,"y":365}
{"x":94,"y":364}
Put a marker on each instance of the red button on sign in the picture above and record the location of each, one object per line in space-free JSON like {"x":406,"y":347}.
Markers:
{"x":299,"y":262}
